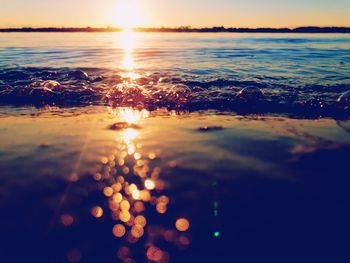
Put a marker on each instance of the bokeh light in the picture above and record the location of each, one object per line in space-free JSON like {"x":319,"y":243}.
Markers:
{"x":67,"y":219}
{"x":131,"y":183}
{"x":182,"y":224}
{"x":118,"y":230}
{"x":96,"y":211}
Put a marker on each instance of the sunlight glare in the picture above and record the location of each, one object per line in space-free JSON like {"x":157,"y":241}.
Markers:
{"x":132,"y":116}
{"x":128,"y":14}
{"x":126,"y":40}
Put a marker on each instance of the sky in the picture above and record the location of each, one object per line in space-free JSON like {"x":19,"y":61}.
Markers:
{"x":171,"y":13}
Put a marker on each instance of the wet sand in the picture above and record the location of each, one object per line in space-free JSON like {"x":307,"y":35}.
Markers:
{"x":101,"y":184}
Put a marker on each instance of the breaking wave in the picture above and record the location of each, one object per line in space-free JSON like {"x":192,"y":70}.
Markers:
{"x":151,"y":90}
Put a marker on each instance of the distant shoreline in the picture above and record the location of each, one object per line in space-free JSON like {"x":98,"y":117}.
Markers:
{"x":309,"y":29}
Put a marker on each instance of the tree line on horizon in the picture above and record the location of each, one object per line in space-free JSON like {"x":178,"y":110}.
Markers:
{"x":307,"y":29}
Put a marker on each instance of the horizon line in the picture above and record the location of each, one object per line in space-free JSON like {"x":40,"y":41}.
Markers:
{"x":302,"y":29}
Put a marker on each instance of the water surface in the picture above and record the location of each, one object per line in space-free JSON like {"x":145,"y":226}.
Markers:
{"x":173,"y":147}
{"x":299,"y":74}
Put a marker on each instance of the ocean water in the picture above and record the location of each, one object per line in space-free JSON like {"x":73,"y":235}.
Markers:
{"x":172,"y":147}
{"x":298,"y":74}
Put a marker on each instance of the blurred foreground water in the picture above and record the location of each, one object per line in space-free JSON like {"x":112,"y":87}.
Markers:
{"x":101,"y":184}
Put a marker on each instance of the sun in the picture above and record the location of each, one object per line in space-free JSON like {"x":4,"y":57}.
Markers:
{"x":128,"y":14}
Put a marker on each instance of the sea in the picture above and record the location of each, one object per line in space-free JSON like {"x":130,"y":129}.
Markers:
{"x":174,"y":147}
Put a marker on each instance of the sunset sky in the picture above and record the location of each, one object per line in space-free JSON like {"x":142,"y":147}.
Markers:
{"x":155,"y":13}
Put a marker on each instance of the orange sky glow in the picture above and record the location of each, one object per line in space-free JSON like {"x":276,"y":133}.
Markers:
{"x":156,"y":13}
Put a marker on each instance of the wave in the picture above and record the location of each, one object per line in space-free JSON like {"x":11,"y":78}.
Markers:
{"x":173,"y":90}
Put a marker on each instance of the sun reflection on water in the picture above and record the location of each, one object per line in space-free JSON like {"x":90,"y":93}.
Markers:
{"x":133,"y":189}
{"x":127,"y":41}
{"x":130,"y":115}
